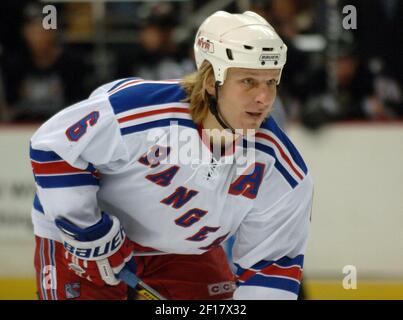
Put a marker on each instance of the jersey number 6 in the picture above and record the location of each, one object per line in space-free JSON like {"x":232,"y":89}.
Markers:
{"x":77,"y":130}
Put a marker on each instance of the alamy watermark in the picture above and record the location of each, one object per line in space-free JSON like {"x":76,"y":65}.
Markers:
{"x":350,"y":280}
{"x":350,"y":18}
{"x":49,"y":21}
{"x":185,"y":146}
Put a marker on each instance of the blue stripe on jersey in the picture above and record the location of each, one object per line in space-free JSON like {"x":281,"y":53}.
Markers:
{"x":43,"y":156}
{"x":283,"y":262}
{"x":158,"y":123}
{"x":146,"y":94}
{"x":51,"y":245}
{"x":63,"y":181}
{"x":42,"y":259}
{"x":271,"y":125}
{"x":37,"y":204}
{"x":272,"y":282}
{"x":123,"y":81}
{"x":277,"y":164}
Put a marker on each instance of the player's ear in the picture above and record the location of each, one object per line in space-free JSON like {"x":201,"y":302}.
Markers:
{"x":209,"y":84}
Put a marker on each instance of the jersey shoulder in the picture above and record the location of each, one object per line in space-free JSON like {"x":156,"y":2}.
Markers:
{"x":140,"y":104}
{"x":134,"y":93}
{"x":288,"y":162}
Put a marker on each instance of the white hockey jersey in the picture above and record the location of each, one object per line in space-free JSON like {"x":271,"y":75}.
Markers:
{"x":130,"y":150}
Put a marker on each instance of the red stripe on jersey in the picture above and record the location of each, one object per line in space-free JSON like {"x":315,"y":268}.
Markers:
{"x":54,"y":168}
{"x":137,"y":81}
{"x":282,"y":153}
{"x":125,"y":85}
{"x":247,"y":275}
{"x":294,"y":272}
{"x":151,"y":113}
{"x":38,"y":266}
{"x":44,"y":269}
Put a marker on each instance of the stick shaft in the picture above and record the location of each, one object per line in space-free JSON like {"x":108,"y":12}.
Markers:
{"x":134,"y":282}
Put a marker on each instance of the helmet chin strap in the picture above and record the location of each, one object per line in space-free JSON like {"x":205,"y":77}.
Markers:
{"x":213,"y":106}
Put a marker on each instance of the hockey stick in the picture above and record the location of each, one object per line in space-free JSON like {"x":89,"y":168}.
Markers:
{"x":143,"y":291}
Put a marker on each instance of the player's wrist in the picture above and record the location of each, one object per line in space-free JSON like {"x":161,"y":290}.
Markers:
{"x":104,"y":253}
{"x":96,"y":242}
{"x":91,"y":233}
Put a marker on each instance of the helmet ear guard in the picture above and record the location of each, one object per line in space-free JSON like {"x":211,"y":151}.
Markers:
{"x":239,"y":41}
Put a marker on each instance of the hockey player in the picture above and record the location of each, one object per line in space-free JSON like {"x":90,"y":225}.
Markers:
{"x":115,"y":189}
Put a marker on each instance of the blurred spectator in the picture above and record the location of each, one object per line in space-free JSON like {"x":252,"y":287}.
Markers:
{"x":42,"y":78}
{"x":11,"y":19}
{"x":379,"y":37}
{"x":354,"y":97}
{"x":290,"y":18}
{"x":157,"y":56}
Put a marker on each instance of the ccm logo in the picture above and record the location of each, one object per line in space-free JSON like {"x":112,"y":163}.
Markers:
{"x":99,"y":251}
{"x":205,"y":45}
{"x":221,"y":287}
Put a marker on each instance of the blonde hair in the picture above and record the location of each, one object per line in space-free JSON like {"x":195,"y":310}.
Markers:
{"x":195,"y":86}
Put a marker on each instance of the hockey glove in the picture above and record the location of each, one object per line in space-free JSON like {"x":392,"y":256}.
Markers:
{"x":99,"y":252}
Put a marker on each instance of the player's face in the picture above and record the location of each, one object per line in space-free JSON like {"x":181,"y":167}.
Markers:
{"x":247,"y":96}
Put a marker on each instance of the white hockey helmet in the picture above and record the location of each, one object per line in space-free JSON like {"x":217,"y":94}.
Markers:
{"x":244,"y":40}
